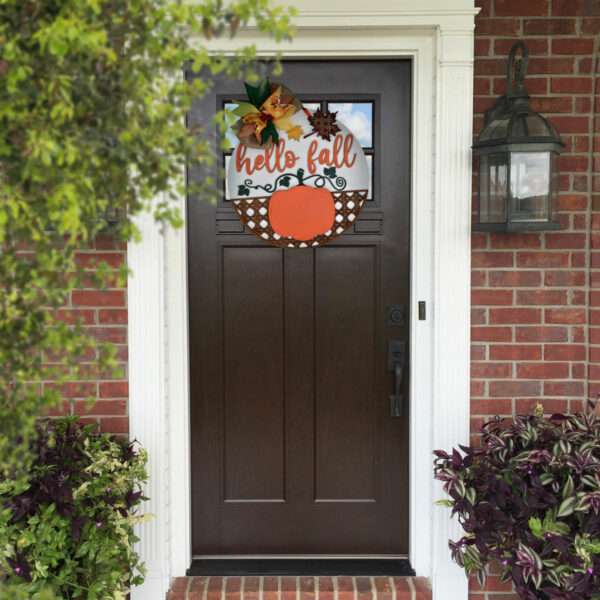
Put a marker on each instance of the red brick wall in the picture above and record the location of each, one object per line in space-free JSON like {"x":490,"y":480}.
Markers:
{"x":536,"y":314}
{"x":104,"y":313}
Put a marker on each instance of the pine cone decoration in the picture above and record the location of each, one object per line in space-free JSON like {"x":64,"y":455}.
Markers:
{"x":324,"y":124}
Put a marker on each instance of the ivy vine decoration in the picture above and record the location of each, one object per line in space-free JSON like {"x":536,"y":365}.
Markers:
{"x":318,"y":180}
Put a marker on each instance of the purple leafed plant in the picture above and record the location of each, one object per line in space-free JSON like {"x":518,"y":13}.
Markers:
{"x":529,"y":498}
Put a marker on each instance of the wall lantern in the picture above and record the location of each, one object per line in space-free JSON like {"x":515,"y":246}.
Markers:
{"x":517,"y":152}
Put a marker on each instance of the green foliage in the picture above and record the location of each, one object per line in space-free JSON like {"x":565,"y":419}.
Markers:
{"x":68,"y":528}
{"x":20,"y":592}
{"x":92,"y":123}
{"x":549,"y":526}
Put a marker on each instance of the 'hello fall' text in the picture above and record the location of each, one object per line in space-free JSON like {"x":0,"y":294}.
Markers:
{"x":278,"y":159}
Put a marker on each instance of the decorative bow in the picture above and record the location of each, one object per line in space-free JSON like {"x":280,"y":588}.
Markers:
{"x":269,"y":111}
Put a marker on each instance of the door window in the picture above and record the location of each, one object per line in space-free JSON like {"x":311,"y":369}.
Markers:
{"x":357,"y":115}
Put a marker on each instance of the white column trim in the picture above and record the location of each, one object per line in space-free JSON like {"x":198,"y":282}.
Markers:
{"x":439,"y":40}
{"x":452,"y":283}
{"x":178,"y":416}
{"x":147,"y":398}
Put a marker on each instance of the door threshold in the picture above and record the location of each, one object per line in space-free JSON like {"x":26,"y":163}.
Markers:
{"x":237,"y":567}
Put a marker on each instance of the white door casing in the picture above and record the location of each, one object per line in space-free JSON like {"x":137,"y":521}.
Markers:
{"x":438,"y":36}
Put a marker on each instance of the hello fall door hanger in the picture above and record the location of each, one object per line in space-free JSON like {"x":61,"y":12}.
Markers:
{"x":298,"y":178}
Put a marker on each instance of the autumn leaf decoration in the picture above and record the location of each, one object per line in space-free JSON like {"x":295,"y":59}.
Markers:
{"x":268,"y":112}
{"x":324,"y":124}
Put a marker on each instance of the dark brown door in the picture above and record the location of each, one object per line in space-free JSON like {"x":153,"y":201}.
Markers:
{"x":294,"y":448}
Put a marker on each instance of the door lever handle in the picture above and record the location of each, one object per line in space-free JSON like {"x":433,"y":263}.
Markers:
{"x":396,"y":399}
{"x":396,"y":366}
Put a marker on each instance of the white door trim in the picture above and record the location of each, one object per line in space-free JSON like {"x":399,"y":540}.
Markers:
{"x":439,"y":40}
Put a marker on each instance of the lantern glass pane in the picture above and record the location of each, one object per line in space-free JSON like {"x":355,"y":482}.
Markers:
{"x":555,"y":186}
{"x":530,"y":186}
{"x":493,"y":170}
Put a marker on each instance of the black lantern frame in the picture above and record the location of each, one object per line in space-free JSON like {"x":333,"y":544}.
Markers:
{"x":517,"y":152}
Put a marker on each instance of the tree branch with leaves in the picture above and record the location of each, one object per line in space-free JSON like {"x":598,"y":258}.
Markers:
{"x":92,"y":124}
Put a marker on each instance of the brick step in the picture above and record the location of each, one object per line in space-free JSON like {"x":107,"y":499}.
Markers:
{"x":300,"y":588}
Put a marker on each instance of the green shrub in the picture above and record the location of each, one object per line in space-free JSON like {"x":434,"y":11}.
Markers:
{"x":68,"y":528}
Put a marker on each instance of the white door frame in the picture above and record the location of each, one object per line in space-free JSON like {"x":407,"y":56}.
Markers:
{"x":439,"y":40}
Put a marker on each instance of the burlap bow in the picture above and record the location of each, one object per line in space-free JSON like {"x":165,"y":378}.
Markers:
{"x":259,"y":126}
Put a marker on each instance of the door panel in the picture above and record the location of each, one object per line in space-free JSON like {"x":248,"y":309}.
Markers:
{"x":253,"y":360}
{"x":294,"y":450}
{"x":345,"y":306}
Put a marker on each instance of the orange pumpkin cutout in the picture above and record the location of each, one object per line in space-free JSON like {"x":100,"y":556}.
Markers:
{"x":302,"y":212}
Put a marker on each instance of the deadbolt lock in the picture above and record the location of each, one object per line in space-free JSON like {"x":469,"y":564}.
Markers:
{"x":395,"y":315}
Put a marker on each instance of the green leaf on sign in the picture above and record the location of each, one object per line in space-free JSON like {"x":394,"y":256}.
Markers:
{"x":244,"y":108}
{"x":258,"y":94}
{"x":269,"y":131}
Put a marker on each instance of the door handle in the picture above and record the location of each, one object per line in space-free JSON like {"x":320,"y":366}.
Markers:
{"x":396,"y":352}
{"x":396,"y":399}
